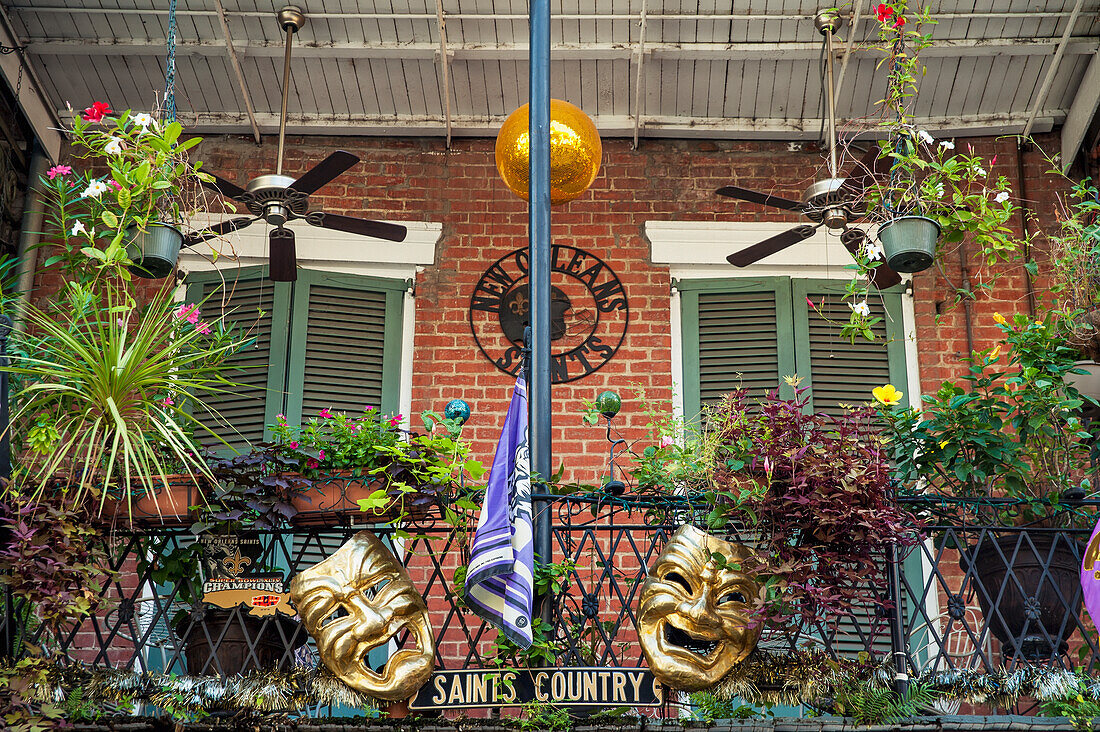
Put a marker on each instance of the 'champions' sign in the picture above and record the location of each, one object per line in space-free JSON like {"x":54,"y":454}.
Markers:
{"x":629,"y":687}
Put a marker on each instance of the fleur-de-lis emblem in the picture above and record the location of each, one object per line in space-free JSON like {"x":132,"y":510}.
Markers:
{"x":234,"y":562}
{"x":519,"y":304}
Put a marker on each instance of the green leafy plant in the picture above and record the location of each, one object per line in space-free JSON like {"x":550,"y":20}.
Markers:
{"x":1073,"y":271}
{"x":1079,"y":706}
{"x":1010,"y":427}
{"x":536,"y":716}
{"x":871,"y":704}
{"x":709,"y":708}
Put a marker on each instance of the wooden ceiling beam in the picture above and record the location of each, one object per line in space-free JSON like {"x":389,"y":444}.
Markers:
{"x":790,"y":51}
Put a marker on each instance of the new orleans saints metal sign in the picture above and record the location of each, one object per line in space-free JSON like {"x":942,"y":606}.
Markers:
{"x":589,"y":312}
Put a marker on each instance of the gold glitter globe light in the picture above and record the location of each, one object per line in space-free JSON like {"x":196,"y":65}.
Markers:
{"x":575,"y":151}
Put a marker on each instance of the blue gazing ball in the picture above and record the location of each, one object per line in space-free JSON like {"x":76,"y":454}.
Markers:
{"x":457,"y":409}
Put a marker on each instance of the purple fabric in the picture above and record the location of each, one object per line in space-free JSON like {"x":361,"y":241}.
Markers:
{"x":500,"y":585}
{"x":1090,"y":575}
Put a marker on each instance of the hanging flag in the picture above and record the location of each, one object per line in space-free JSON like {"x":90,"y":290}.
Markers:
{"x":1090,"y":575}
{"x":500,"y":585}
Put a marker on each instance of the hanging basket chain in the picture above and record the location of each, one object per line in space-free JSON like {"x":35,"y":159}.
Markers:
{"x":170,"y":66}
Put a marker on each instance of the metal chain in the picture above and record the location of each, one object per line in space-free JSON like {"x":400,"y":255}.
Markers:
{"x":170,"y":66}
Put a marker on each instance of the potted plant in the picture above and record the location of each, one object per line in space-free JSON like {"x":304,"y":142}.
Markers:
{"x":934,"y":200}
{"x":368,"y":463}
{"x":148,"y":175}
{"x":815,"y":490}
{"x":106,"y":385}
{"x":1008,"y":436}
{"x":1073,"y":273}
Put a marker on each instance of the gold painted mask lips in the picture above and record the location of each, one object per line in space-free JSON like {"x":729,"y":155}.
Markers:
{"x":693,"y":622}
{"x":361,"y":598}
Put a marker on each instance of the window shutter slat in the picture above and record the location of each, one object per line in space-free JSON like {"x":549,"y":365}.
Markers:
{"x":248,"y":304}
{"x":344,"y":348}
{"x":843,"y":372}
{"x":738,"y":346}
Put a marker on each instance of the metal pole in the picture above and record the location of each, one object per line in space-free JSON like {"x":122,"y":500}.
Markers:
{"x":897,"y":624}
{"x":539,"y":269}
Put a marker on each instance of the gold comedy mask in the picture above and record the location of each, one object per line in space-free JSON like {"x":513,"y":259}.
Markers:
{"x":358,"y":599}
{"x":692,"y":617}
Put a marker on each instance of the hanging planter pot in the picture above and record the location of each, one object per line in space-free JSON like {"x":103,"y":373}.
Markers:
{"x":909,"y":242}
{"x":1088,"y":384}
{"x":153,"y":250}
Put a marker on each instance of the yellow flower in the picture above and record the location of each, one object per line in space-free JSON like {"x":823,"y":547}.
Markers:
{"x":995,"y":353}
{"x":943,"y":444}
{"x":1000,"y":319}
{"x":887,"y":395}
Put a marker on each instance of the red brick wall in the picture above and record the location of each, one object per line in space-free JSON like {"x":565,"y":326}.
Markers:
{"x":420,"y":180}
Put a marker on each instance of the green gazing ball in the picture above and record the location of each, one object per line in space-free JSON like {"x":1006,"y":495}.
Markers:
{"x":609,"y":403}
{"x":457,"y":409}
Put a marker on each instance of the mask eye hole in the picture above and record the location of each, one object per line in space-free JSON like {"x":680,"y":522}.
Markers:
{"x":734,"y":596}
{"x":371,"y":591}
{"x":677,"y":578}
{"x":336,"y":614}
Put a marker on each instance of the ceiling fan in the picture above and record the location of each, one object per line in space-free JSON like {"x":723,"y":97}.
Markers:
{"x":278,"y":198}
{"x":833,"y":202}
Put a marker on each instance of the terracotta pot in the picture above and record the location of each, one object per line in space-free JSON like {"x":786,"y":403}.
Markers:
{"x":334,"y":501}
{"x":163,"y":507}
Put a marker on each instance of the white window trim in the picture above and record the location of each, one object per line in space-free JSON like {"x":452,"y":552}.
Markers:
{"x":698,"y":250}
{"x":331,"y":251}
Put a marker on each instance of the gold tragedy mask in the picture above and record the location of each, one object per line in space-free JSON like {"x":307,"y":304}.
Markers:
{"x":692,"y":616}
{"x":360,"y":598}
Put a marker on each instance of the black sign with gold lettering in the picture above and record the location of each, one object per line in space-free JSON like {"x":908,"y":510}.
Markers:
{"x":588,"y":312}
{"x":604,"y":687}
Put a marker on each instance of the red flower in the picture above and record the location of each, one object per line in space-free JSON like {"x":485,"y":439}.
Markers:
{"x":884,"y":12}
{"x":900,"y":22}
{"x":96,"y":112}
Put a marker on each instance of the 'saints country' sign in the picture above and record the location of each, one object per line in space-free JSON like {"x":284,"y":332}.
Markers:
{"x":629,"y":687}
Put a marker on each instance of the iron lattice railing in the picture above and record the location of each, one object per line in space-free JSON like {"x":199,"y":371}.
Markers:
{"x":971,"y":596}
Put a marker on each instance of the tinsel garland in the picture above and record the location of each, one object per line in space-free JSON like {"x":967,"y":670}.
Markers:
{"x":259,"y":691}
{"x":806,"y":676}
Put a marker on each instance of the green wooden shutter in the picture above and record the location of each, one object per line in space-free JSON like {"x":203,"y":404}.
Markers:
{"x":732,"y":338}
{"x":840,"y":372}
{"x":346,"y":350}
{"x":257,"y":306}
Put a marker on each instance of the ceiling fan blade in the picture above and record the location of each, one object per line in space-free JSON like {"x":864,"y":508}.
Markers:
{"x":223,"y":227}
{"x":763,"y":199}
{"x":324,"y":171}
{"x":771,"y":245}
{"x":223,"y":186}
{"x":882,"y":276}
{"x":282,"y":259}
{"x":872,"y":166}
{"x":366,"y":227}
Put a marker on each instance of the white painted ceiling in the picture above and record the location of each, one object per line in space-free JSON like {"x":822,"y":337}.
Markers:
{"x":710,"y":68}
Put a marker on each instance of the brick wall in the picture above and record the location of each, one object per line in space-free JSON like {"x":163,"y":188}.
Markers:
{"x":420,"y":180}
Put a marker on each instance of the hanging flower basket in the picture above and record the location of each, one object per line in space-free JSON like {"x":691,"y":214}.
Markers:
{"x":154,"y":250}
{"x":909,"y":242}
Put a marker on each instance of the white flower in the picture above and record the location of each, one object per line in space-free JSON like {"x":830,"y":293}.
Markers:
{"x":114,"y":147}
{"x":1001,"y":197}
{"x":860,"y":308}
{"x":947,"y":145}
{"x":873,"y":250}
{"x":94,"y":189}
{"x":142,"y":119}
{"x":938,"y":190}
{"x":78,"y":227}
{"x":979,"y":170}
{"x":927,"y":138}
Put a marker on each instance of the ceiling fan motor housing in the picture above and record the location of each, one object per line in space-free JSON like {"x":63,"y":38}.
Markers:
{"x":827,"y":204}
{"x":271,"y":198}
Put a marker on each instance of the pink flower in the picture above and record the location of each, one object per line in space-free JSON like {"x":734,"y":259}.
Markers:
{"x":321,"y":454}
{"x":203,"y":328}
{"x":369,"y":409}
{"x":114,"y":184}
{"x":311,"y":463}
{"x":293,"y":444}
{"x":190,"y":313}
{"x":281,"y":419}
{"x":666,"y":441}
{"x":96,"y":112}
{"x":325,"y":414}
{"x":166,"y":401}
{"x":58,"y":170}
{"x":395,"y":420}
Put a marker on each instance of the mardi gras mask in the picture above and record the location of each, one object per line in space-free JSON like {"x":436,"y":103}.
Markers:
{"x":692,"y":617}
{"x":358,"y":599}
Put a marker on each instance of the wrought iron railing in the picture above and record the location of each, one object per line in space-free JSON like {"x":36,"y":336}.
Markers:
{"x":972,"y":596}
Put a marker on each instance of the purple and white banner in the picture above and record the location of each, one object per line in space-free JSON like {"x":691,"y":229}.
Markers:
{"x":1090,"y":576}
{"x":500,"y":584}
